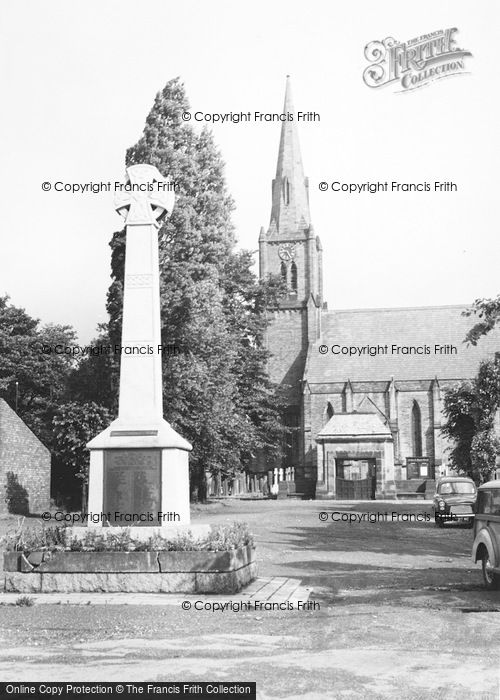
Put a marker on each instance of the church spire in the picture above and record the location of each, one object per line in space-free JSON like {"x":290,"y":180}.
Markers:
{"x":290,"y":207}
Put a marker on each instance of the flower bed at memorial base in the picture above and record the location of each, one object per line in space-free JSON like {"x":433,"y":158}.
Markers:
{"x":102,"y":561}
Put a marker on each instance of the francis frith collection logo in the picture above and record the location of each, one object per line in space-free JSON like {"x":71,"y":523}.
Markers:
{"x":416,"y":62}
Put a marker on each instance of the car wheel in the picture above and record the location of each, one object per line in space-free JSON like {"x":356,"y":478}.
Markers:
{"x":491,"y":579}
{"x":438,"y":520}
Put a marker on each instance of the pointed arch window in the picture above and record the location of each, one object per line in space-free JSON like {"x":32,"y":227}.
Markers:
{"x":329,"y":411}
{"x":416,"y":430}
{"x":293,"y":277}
{"x":283,"y":272}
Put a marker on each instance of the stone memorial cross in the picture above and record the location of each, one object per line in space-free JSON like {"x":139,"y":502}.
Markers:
{"x":139,"y":464}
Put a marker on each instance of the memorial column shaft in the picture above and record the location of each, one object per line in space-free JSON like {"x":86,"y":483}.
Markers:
{"x":141,"y":360}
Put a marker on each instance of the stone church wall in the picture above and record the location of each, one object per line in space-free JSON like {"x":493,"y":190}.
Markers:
{"x":405,"y":401}
{"x":285,"y":337}
{"x":405,"y":406}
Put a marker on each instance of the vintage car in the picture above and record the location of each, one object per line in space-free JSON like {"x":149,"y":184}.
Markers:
{"x":454,"y":500}
{"x":486,"y":547}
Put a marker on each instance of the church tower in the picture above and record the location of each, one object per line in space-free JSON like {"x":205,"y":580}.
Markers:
{"x":291,"y":249}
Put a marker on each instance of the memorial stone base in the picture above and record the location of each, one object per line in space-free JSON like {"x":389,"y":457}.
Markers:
{"x":139,"y":477}
{"x":129,"y":572}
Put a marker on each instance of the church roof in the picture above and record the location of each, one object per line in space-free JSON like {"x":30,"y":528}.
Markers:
{"x":354,"y":424}
{"x":418,"y":327}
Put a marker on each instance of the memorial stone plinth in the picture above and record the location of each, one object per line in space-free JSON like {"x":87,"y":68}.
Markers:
{"x":139,"y":470}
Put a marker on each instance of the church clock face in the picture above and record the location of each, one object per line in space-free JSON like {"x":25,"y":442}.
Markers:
{"x":286,"y":251}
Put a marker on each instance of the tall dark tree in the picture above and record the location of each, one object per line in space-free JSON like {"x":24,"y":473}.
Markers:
{"x":94,"y":378}
{"x":247,"y":305}
{"x":216,"y":391}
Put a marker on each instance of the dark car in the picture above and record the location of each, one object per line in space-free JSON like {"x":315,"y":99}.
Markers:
{"x":454,"y":500}
{"x":486,"y":547}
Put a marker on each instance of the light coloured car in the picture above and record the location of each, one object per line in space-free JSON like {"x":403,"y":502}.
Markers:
{"x":486,"y":547}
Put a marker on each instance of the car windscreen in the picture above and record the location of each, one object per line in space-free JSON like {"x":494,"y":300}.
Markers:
{"x":489,"y":502}
{"x":457,"y":487}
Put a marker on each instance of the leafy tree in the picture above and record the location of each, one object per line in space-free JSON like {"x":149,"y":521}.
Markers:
{"x":29,"y":356}
{"x":459,"y":409}
{"x":74,"y":425}
{"x":216,"y":391}
{"x":488,"y":311}
{"x":47,"y":377}
{"x":470,"y":410}
{"x":484,"y":450}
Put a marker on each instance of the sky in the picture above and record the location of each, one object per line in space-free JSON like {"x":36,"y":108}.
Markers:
{"x":79,"y":79}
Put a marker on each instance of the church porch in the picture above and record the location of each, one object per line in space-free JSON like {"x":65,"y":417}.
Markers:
{"x":355,"y":458}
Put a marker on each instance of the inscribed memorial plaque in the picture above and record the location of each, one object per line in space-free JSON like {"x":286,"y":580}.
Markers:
{"x":132,"y":486}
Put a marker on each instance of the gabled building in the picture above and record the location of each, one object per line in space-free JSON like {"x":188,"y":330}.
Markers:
{"x":24,"y":466}
{"x":363,"y":387}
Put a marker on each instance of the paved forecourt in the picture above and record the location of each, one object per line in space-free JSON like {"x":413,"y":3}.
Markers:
{"x":275,"y":589}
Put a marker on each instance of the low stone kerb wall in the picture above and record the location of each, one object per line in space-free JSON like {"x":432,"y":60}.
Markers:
{"x":139,"y":572}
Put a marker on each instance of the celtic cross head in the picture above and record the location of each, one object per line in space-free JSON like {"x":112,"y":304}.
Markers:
{"x":146,"y":197}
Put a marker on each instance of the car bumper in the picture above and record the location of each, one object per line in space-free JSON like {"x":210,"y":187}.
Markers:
{"x":455,"y":517}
